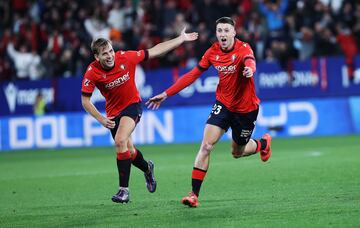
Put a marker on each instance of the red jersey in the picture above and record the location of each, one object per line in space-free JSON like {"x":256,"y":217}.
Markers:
{"x":117,"y":85}
{"x":234,"y":90}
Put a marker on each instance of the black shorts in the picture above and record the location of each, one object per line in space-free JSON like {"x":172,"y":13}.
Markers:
{"x":134,"y":111}
{"x":242,"y":124}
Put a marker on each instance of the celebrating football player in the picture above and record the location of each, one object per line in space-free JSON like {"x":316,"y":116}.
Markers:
{"x":113,"y":73}
{"x":236,"y":104}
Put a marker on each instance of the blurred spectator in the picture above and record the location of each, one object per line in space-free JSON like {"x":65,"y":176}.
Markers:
{"x":59,"y":31}
{"x":6,"y":70}
{"x":203,"y":43}
{"x":305,"y":43}
{"x":256,"y":28}
{"x":348,"y":46}
{"x":325,"y":41}
{"x":169,"y":13}
{"x":39,"y":107}
{"x":356,"y":27}
{"x":116,"y":17}
{"x":96,"y":26}
{"x":5,"y":15}
{"x":274,"y":12}
{"x":55,"y":43}
{"x":27,"y":64}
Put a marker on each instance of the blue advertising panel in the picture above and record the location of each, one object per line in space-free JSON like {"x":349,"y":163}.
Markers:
{"x":300,"y":79}
{"x":350,"y":85}
{"x":18,"y":97}
{"x":68,"y":95}
{"x":306,"y":118}
{"x":315,"y":117}
{"x":318,"y":77}
{"x":355,"y":112}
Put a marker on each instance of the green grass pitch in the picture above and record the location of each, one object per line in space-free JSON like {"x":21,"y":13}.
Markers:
{"x":308,"y":182}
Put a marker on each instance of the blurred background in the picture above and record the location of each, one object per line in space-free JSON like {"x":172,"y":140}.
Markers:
{"x":307,"y":52}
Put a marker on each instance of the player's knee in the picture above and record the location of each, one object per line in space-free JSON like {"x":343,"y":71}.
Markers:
{"x":131,"y":148}
{"x":206,"y":148}
{"x":120,"y":142}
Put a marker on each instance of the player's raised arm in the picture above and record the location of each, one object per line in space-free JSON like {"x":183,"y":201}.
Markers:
{"x":166,"y":46}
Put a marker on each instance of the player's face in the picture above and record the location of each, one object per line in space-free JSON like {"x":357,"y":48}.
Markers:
{"x":225,"y":33}
{"x":106,"y":57}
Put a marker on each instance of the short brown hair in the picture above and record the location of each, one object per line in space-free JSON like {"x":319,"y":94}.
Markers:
{"x":99,"y":43}
{"x":225,"y":20}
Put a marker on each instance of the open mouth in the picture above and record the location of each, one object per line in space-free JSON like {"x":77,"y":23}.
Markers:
{"x":223,"y":41}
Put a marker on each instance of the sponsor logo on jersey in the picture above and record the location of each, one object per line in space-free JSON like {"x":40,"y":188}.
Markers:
{"x":119,"y":81}
{"x":226,"y":69}
{"x":122,"y":66}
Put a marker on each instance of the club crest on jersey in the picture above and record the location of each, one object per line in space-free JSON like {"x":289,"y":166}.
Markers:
{"x":217,"y":57}
{"x":122,"y":66}
{"x":233,"y":57}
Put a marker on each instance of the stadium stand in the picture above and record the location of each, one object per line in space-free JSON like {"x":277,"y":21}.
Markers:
{"x":57,"y":34}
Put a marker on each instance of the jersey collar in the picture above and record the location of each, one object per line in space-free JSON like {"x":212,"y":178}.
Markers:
{"x":230,"y":50}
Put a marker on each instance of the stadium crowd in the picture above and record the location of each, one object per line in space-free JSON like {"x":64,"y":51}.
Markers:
{"x":51,"y":38}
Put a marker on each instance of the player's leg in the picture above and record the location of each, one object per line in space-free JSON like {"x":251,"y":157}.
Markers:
{"x":217,"y":123}
{"x":212,"y":134}
{"x":243,"y":150}
{"x":147,"y":167}
{"x":242,"y":128}
{"x":125,"y":127}
{"x":137,"y":157}
{"x":254,"y":146}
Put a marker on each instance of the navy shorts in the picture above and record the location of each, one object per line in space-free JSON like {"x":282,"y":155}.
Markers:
{"x":242,"y":124}
{"x":134,"y":111}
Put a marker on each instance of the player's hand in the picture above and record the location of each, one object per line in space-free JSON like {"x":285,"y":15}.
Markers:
{"x":248,"y":72}
{"x":155,"y":102}
{"x":188,"y":36}
{"x":110,"y":124}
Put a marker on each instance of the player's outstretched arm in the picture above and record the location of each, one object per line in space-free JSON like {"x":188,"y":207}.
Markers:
{"x":155,"y":102}
{"x":184,"y":81}
{"x":92,"y":110}
{"x":169,"y":45}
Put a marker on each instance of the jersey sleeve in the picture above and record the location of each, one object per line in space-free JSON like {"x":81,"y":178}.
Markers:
{"x":247,"y":53}
{"x":204,"y":63}
{"x":88,"y":84}
{"x":184,"y":81}
{"x":137,"y":56}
